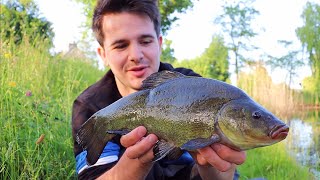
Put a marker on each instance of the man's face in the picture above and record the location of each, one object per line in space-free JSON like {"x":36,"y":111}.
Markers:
{"x":131,"y":49}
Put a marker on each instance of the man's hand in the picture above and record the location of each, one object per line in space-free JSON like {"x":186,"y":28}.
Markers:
{"x":136,"y":161}
{"x":138,"y":146}
{"x":218,"y":161}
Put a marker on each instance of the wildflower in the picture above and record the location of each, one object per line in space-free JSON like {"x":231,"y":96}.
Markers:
{"x":40,"y":139}
{"x":28,"y":93}
{"x":12,"y":84}
{"x":7,"y":55}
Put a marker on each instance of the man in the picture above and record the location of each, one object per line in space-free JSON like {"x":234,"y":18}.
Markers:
{"x":128,"y":32}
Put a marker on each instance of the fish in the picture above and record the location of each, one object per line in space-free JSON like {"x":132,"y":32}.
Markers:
{"x":186,"y":113}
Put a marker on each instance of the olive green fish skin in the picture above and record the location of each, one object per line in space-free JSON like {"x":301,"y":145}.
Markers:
{"x":173,"y":112}
{"x":183,"y":109}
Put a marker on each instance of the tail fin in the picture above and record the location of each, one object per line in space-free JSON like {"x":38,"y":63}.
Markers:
{"x":92,"y":140}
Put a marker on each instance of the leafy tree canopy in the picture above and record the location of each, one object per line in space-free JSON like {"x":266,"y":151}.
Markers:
{"x":289,"y":62}
{"x":167,"y":10}
{"x":236,"y":23}
{"x":309,"y":34}
{"x":167,"y":52}
{"x":20,"y":19}
{"x":213,"y":63}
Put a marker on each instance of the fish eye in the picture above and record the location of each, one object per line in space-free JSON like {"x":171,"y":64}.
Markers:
{"x":256,"y":114}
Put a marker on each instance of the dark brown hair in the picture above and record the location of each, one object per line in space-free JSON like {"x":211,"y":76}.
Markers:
{"x":144,"y":7}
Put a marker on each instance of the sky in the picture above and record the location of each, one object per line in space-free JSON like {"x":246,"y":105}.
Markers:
{"x":193,"y":32}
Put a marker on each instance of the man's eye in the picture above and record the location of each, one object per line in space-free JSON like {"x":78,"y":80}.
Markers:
{"x":120,"y":46}
{"x":146,"y":42}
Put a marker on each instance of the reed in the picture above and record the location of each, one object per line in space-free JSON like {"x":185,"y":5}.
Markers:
{"x":278,"y":98}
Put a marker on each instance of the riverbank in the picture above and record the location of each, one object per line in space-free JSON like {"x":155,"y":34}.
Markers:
{"x":273,"y":163}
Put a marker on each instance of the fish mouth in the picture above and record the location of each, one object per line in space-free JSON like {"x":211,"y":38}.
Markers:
{"x":279,"y":132}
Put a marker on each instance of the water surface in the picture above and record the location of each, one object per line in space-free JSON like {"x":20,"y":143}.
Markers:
{"x":303,"y":141}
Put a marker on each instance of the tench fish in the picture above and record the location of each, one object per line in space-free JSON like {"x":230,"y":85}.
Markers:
{"x":186,"y":113}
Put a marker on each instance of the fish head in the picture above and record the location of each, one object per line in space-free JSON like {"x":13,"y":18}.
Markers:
{"x":244,"y":124}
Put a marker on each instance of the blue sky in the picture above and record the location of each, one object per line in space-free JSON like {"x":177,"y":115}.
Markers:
{"x":193,"y":32}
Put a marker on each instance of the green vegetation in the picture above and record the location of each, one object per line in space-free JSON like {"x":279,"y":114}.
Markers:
{"x":20,"y":19}
{"x":54,"y":83}
{"x":37,"y":92}
{"x":213,"y":63}
{"x":167,"y":9}
{"x":236,"y":21}
{"x":272,"y":162}
{"x":309,"y":35}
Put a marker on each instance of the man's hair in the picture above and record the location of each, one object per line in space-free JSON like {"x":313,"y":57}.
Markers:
{"x":141,"y":7}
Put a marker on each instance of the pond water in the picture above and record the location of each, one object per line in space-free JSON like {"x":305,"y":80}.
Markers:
{"x":303,"y":141}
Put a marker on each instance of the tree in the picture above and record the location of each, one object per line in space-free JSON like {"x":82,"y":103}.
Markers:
{"x":20,"y":19}
{"x":213,"y":63}
{"x":167,"y":10}
{"x":216,"y":59}
{"x":167,"y":52}
{"x":289,"y":62}
{"x":236,"y":21}
{"x":309,"y":36}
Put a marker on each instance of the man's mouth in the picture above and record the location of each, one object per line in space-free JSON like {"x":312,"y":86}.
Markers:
{"x":138,"y":71}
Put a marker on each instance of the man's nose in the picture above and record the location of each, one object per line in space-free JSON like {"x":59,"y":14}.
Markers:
{"x":135,"y":53}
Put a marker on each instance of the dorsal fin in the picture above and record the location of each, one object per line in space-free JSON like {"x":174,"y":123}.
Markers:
{"x":160,"y":77}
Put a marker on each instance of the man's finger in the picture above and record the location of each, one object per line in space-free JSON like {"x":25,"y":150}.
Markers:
{"x":133,"y":137}
{"x":199,"y":159}
{"x":140,"y":149}
{"x":228,"y":154}
{"x":214,"y":160}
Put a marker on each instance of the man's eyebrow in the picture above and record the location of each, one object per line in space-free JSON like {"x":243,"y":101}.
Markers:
{"x":146,"y":36}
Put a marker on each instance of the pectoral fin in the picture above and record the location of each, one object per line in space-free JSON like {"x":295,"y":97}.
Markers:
{"x":164,"y":149}
{"x":200,"y":143}
{"x":120,"y":132}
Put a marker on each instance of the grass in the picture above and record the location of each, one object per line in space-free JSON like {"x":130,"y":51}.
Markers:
{"x":272,"y":163}
{"x":54,"y":83}
{"x":37,"y":92}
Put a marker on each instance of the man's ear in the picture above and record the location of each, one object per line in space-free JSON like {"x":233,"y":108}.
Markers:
{"x":160,"y":42}
{"x":102,"y":55}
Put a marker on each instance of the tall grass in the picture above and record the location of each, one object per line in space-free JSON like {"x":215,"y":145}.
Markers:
{"x":273,"y":163}
{"x":36,"y":96}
